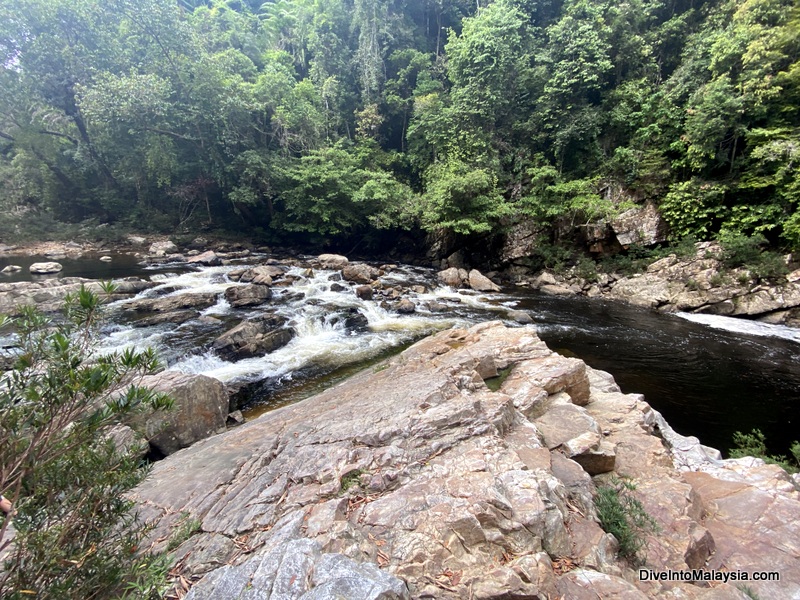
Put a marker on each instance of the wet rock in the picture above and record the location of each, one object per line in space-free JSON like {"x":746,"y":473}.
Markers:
{"x":333,"y":261}
{"x":436,"y":307}
{"x":200,"y":410}
{"x":209,"y":259}
{"x":364,"y":292}
{"x":45,"y":268}
{"x":520,"y":316}
{"x":453,"y":277}
{"x":337,"y":287}
{"x":175,"y":316}
{"x":172,"y":303}
{"x":162,"y":248}
{"x":480,"y":283}
{"x":106,"y":258}
{"x":405,"y":306}
{"x":254,"y":337}
{"x":262,"y":275}
{"x":11,"y":269}
{"x":359,"y":273}
{"x":247,"y":295}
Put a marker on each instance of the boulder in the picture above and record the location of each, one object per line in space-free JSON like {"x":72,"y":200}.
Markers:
{"x":480,"y":283}
{"x":333,"y":261}
{"x":262,"y":275}
{"x":359,"y":273}
{"x":106,"y":258}
{"x":254,"y":337}
{"x":200,"y":410}
{"x":247,"y":295}
{"x":162,"y":248}
{"x":364,"y":292}
{"x":172,"y":303}
{"x":522,"y":317}
{"x":453,"y":277}
{"x":45,"y":268}
{"x":11,"y":269}
{"x":209,"y":259}
{"x":405,"y":306}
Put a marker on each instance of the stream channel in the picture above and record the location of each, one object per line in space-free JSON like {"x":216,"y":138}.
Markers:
{"x":709,"y":376}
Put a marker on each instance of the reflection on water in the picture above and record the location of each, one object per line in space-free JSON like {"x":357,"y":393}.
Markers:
{"x":708,"y":378}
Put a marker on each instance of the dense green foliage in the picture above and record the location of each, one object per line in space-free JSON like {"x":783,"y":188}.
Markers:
{"x":332,"y":117}
{"x":754,"y":444}
{"x":76,"y":534}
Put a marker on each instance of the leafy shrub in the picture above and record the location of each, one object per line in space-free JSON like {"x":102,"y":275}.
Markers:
{"x":754,"y":444}
{"x":76,"y":533}
{"x":739,"y":250}
{"x":623,"y":516}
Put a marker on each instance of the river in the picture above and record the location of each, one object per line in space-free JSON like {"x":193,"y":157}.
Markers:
{"x":709,"y":376}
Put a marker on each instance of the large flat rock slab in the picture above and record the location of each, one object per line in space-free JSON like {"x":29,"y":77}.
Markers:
{"x":415,"y":469}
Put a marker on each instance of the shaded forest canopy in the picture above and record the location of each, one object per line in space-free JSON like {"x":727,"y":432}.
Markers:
{"x":329,"y":118}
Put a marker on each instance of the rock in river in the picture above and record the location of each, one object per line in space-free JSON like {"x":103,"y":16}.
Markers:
{"x":44,"y":268}
{"x":254,"y":337}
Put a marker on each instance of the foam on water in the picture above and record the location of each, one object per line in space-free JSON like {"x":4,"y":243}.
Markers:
{"x":738,"y":325}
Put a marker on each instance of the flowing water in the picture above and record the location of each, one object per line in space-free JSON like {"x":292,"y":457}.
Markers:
{"x":709,"y":376}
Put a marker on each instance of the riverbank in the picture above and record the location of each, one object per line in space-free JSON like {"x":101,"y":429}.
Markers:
{"x":700,"y":283}
{"x":414,"y":479}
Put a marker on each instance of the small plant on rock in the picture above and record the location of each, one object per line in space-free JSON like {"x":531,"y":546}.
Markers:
{"x":622,"y":515}
{"x":754,"y":444}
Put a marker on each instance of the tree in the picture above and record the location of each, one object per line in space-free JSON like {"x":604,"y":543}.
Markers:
{"x":77,"y":535}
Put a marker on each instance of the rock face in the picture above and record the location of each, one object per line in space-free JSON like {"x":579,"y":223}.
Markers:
{"x":44,"y":268}
{"x":418,"y":472}
{"x":200,"y":410}
{"x":254,"y":337}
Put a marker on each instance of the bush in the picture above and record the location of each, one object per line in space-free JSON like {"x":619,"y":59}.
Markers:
{"x":623,"y":516}
{"x":76,"y":533}
{"x":739,"y":250}
{"x":754,"y":444}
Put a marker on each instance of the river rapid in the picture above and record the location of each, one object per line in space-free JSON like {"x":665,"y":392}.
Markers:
{"x":710,"y":376}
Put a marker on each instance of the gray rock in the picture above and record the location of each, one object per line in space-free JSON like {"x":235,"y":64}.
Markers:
{"x":405,"y":306}
{"x":162,"y":248}
{"x":208,"y":258}
{"x":247,"y":295}
{"x":520,"y":316}
{"x":200,"y":409}
{"x":359,"y":273}
{"x":254,"y":337}
{"x":106,"y":258}
{"x":44,"y":268}
{"x":480,"y":283}
{"x":333,"y":261}
{"x":172,"y":303}
{"x":642,"y":225}
{"x":11,"y":269}
{"x":364,"y":292}
{"x":453,"y":277}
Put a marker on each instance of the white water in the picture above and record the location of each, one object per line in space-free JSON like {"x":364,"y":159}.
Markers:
{"x":738,"y":325}
{"x":313,"y":310}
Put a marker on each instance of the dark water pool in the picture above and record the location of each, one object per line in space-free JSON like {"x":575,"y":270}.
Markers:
{"x":121,"y":265}
{"x":706,"y":382}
